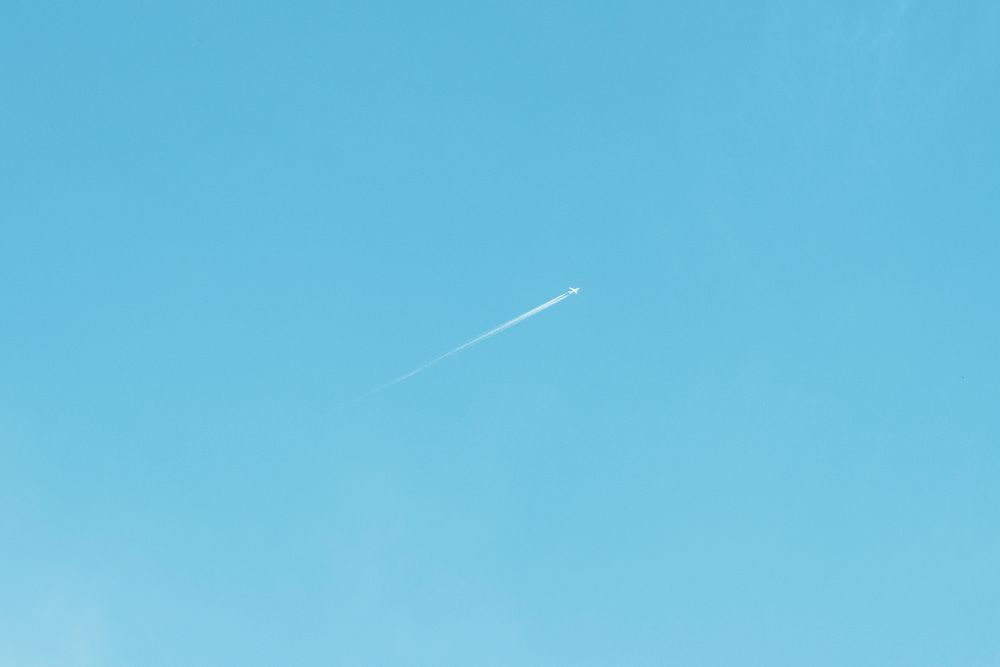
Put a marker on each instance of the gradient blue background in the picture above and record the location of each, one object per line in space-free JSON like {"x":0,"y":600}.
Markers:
{"x":765,"y":432}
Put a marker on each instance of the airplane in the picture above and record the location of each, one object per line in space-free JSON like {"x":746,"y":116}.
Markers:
{"x":574,"y":290}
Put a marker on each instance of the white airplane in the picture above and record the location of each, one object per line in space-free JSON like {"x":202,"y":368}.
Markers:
{"x":574,"y":290}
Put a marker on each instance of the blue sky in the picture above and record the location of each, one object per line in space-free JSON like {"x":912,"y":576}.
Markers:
{"x":765,"y":432}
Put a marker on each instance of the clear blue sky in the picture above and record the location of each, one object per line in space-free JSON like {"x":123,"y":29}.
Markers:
{"x":764,"y":433}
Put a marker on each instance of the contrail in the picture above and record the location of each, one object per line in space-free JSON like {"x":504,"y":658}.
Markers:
{"x":478,"y":339}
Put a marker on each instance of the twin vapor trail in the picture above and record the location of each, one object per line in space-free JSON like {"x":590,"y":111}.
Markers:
{"x":478,"y":339}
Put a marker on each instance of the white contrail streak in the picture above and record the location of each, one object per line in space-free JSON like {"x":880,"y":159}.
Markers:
{"x":478,"y":339}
